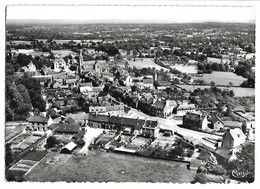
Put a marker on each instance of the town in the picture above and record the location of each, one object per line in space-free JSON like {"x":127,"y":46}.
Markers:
{"x":183,"y":94}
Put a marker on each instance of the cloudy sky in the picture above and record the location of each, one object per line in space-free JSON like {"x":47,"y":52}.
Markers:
{"x":133,"y":13}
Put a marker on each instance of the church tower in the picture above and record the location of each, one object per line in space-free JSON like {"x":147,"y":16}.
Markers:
{"x":80,"y":62}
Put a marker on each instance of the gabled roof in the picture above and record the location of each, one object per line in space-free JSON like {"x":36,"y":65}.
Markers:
{"x":78,"y":116}
{"x":38,"y":119}
{"x":69,"y":120}
{"x":150,"y":124}
{"x":214,"y":119}
{"x":223,"y":152}
{"x":124,"y":121}
{"x":232,"y":124}
{"x":53,"y":126}
{"x":148,"y":81}
{"x":70,"y":146}
{"x":70,"y":81}
{"x":159,"y":104}
{"x":67,"y":128}
{"x":102,"y":94}
{"x":186,"y":107}
{"x":193,"y":117}
{"x":79,"y":135}
{"x":87,"y":84}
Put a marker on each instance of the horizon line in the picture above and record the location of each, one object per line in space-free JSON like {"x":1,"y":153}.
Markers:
{"x":117,"y":21}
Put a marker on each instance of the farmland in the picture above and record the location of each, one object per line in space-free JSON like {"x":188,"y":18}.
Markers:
{"x":239,"y":91}
{"x":109,"y":167}
{"x":222,"y":78}
{"x":145,"y":63}
{"x":185,"y":69}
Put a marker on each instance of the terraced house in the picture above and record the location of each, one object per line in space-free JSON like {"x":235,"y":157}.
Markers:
{"x":137,"y":126}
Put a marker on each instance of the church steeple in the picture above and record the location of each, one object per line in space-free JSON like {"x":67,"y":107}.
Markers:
{"x":80,"y":61}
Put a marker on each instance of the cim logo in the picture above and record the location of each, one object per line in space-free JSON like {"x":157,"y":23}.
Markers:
{"x":239,"y":174}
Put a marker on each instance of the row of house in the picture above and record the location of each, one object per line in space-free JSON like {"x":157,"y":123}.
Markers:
{"x":138,"y":126}
{"x":204,"y":122}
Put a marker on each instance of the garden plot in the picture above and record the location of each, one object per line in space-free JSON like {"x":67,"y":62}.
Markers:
{"x":20,"y":138}
{"x":164,"y":141}
{"x":28,"y":162}
{"x":105,"y":138}
{"x":121,"y":140}
{"x":27,"y":142}
{"x":137,"y":143}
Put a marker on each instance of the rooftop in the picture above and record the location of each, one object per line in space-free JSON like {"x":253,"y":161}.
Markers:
{"x":38,"y":119}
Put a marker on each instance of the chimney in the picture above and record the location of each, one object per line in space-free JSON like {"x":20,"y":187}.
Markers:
{"x":228,"y":130}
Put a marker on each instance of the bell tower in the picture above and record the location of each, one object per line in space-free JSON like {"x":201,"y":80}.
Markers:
{"x":80,"y":62}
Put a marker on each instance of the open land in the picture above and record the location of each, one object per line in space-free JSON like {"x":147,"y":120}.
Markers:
{"x":239,"y":91}
{"x":109,"y":167}
{"x":145,"y":63}
{"x":185,"y":69}
{"x":222,"y":78}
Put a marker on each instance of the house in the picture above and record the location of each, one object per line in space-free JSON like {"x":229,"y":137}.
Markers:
{"x":233,"y":138}
{"x":182,"y":109}
{"x":223,"y":155}
{"x":80,"y":118}
{"x":163,"y":108}
{"x":127,"y":125}
{"x":56,"y":84}
{"x":148,"y":82}
{"x":216,"y":123}
{"x":150,"y":129}
{"x":30,"y":67}
{"x":64,"y":128}
{"x":195,"y":121}
{"x":145,"y":105}
{"x":231,"y":124}
{"x":78,"y":138}
{"x":37,"y":123}
{"x":68,"y":148}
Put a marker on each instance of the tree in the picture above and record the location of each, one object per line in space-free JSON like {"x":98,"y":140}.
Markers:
{"x":51,"y":142}
{"x":212,"y":83}
{"x":9,"y":156}
{"x":245,"y":161}
{"x":135,"y":53}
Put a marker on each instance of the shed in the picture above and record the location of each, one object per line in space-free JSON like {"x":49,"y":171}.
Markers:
{"x":68,"y":149}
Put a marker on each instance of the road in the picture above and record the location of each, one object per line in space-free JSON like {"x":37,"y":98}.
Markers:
{"x":90,"y":135}
{"x":171,"y":125}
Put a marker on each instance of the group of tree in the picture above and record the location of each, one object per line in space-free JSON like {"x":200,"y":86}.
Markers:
{"x":208,"y":97}
{"x":209,"y":67}
{"x":22,"y":94}
{"x":244,"y":69}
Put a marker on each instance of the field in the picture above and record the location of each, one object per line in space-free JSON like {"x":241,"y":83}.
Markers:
{"x":239,"y":91}
{"x":20,"y":42}
{"x":63,"y":53}
{"x":109,"y":167}
{"x":222,"y":78}
{"x":185,"y":69}
{"x":61,"y":41}
{"x":147,"y":62}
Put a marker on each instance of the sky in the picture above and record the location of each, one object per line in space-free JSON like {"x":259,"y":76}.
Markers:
{"x":150,"y":14}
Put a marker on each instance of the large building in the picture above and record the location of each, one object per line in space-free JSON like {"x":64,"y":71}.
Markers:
{"x":127,"y":125}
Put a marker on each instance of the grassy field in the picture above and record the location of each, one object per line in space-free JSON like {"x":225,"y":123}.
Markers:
{"x":239,"y":91}
{"x":109,"y":167}
{"x":185,"y":69}
{"x":222,"y":78}
{"x":147,"y":62}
